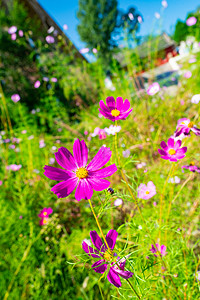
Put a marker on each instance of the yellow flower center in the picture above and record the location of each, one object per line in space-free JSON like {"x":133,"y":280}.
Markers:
{"x":108,"y":256}
{"x":44,"y":221}
{"x":45,"y":213}
{"x":191,"y":124}
{"x":182,"y":123}
{"x":115,"y":112}
{"x":147,"y":192}
{"x":192,"y":163}
{"x":81,"y":173}
{"x":172,"y":152}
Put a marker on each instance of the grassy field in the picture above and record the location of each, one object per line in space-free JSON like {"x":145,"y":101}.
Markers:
{"x":48,"y":262}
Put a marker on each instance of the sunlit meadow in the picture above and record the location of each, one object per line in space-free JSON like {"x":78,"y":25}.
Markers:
{"x":99,"y":181}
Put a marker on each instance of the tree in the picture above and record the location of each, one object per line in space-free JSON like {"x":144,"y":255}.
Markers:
{"x":102,"y":25}
{"x":182,"y":30}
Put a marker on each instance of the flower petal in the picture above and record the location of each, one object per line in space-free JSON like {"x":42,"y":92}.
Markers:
{"x":100,"y":266}
{"x":55,"y":173}
{"x":110,"y":101}
{"x":113,"y":278}
{"x":119,"y":103}
{"x":162,"y":152}
{"x":104,"y":107}
{"x":196,"y":130}
{"x":163,"y":145}
{"x":89,"y":250}
{"x":64,"y":188}
{"x":107,"y":115}
{"x":96,"y":240}
{"x":84,"y":190}
{"x":100,"y":159}
{"x":177,"y":144}
{"x":80,"y":151}
{"x":65,"y":159}
{"x":98,"y":184}
{"x":123,"y":116}
{"x":111,"y":238}
{"x":170,"y":143}
{"x":126,"y":105}
{"x":123,"y":274}
{"x":105,"y":172}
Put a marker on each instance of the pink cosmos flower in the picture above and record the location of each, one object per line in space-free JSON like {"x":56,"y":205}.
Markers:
{"x":188,"y":74}
{"x":12,"y":29}
{"x":44,"y":221}
{"x":37,"y":84}
{"x":54,"y":79}
{"x":14,"y":167}
{"x":84,"y":50}
{"x":192,"y":60}
{"x":139,"y":19}
{"x":77,"y":174}
{"x":146,"y":191}
{"x":191,"y":21}
{"x":184,"y":126}
{"x":45,"y":212}
{"x":195,"y":99}
{"x":50,"y":39}
{"x":94,"y":50}
{"x":153,"y":89}
{"x":15,"y":98}
{"x":171,"y":151}
{"x":102,"y":134}
{"x":21,"y":33}
{"x":65,"y":27}
{"x":13,"y":36}
{"x":157,"y":15}
{"x":107,"y":259}
{"x":1,"y":182}
{"x":162,"y":249}
{"x":192,"y":168}
{"x":115,"y":110}
{"x":118,"y":202}
{"x":164,"y":3}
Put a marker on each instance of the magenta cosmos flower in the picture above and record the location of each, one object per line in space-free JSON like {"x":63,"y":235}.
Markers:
{"x":15,"y":98}
{"x":37,"y":84}
{"x":44,"y":215}
{"x":192,"y":168}
{"x":191,"y":21}
{"x":184,"y":126}
{"x":12,"y":29}
{"x":172,"y":151}
{"x":115,"y":110}
{"x":162,"y":249}
{"x":50,"y":39}
{"x":146,"y":191}
{"x":107,"y":259}
{"x":77,"y":174}
{"x":153,"y":89}
{"x":45,"y":212}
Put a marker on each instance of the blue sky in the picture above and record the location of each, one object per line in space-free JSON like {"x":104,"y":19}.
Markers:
{"x":64,"y":12}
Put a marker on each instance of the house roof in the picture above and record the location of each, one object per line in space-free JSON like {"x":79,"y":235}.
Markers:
{"x":156,"y":44}
{"x":153,"y":45}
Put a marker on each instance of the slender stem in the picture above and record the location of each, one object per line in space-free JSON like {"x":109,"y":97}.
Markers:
{"x":161,"y":199}
{"x":98,"y":224}
{"x":170,"y":204}
{"x":131,"y":286}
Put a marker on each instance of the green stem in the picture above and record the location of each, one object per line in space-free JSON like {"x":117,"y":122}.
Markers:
{"x":98,"y":224}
